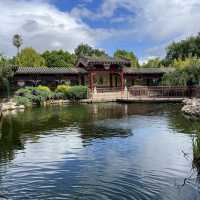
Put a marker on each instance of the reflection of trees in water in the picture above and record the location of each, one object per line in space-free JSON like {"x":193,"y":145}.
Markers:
{"x":16,"y":129}
{"x":196,"y":153}
{"x":9,"y":140}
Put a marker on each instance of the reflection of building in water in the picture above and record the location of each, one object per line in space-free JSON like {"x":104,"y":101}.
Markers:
{"x":1,"y":128}
{"x":126,"y":109}
{"x":95,"y":109}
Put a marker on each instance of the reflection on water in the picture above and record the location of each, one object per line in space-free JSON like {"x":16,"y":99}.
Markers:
{"x":100,"y":151}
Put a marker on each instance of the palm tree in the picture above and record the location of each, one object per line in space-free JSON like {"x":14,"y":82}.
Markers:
{"x":17,"y":41}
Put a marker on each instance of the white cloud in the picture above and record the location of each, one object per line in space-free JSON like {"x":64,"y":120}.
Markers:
{"x":154,"y":23}
{"x":42,"y":26}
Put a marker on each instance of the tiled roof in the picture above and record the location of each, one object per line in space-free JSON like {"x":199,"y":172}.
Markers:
{"x":86,"y":61}
{"x":78,"y":70}
{"x":47,"y":70}
{"x":129,"y":70}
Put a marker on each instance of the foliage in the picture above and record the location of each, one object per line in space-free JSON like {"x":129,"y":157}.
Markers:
{"x":86,"y":50}
{"x":59,"y":58}
{"x":62,"y":89}
{"x":6,"y":73}
{"x":29,"y":57}
{"x":20,"y":100}
{"x":176,"y":78}
{"x":43,"y":88}
{"x":123,"y":54}
{"x":183,"y":49}
{"x":76,"y":93}
{"x":196,"y":153}
{"x":153,"y":63}
{"x":34,"y":95}
{"x":17,"y":41}
{"x":38,"y":95}
{"x":187,"y":73}
{"x":182,"y":64}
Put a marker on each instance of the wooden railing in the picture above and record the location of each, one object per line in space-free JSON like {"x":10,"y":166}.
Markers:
{"x":108,"y":89}
{"x":162,"y":91}
{"x":151,"y":91}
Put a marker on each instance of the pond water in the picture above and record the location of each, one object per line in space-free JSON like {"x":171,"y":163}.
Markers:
{"x":98,"y":152}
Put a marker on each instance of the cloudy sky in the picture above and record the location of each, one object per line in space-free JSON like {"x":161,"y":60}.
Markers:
{"x":143,"y":26}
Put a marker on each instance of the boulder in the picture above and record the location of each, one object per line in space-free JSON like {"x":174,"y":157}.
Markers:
{"x":192,"y":107}
{"x":11,"y":105}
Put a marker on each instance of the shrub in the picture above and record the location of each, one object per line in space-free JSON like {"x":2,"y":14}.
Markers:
{"x":34,"y":95}
{"x":77,"y":93}
{"x":43,"y":88}
{"x":59,"y":95}
{"x":62,"y":89}
{"x":23,"y":101}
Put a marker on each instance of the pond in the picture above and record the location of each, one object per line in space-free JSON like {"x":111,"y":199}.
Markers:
{"x":99,"y":151}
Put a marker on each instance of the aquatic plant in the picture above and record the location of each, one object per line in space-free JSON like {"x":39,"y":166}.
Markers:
{"x":196,"y":153}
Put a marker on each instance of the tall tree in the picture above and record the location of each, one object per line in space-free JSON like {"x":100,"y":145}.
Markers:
{"x":6,"y":73}
{"x":29,"y":57}
{"x":153,"y":63}
{"x":59,"y":58}
{"x":189,"y":47}
{"x":123,"y":54}
{"x":86,"y":50}
{"x":17,"y":41}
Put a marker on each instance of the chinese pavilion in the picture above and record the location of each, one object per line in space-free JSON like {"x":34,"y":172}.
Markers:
{"x":96,"y":73}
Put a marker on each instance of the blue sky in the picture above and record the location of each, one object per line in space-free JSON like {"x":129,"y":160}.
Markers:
{"x":145,"y":27}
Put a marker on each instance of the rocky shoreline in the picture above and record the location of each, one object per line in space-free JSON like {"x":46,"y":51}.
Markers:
{"x":10,"y":106}
{"x":192,"y":107}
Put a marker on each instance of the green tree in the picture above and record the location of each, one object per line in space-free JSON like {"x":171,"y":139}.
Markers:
{"x":6,"y":73}
{"x":86,"y":50}
{"x":153,"y":63}
{"x":187,"y":62}
{"x":59,"y":58}
{"x":123,"y":54}
{"x":186,"y":74}
{"x":17,"y":41}
{"x":29,"y":57}
{"x":189,"y":47}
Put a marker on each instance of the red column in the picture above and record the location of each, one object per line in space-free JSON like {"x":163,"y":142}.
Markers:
{"x":91,"y":80}
{"x":122,"y":80}
{"x":111,"y":85}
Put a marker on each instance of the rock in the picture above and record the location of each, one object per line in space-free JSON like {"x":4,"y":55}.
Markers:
{"x":21,"y":107}
{"x":10,"y":106}
{"x":191,"y":107}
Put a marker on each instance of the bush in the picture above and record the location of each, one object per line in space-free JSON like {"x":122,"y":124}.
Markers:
{"x":34,"y":95}
{"x":23,"y":101}
{"x":43,"y":88}
{"x":187,"y":75}
{"x":62,"y":89}
{"x":38,"y":95}
{"x":76,"y":93}
{"x":59,"y":95}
